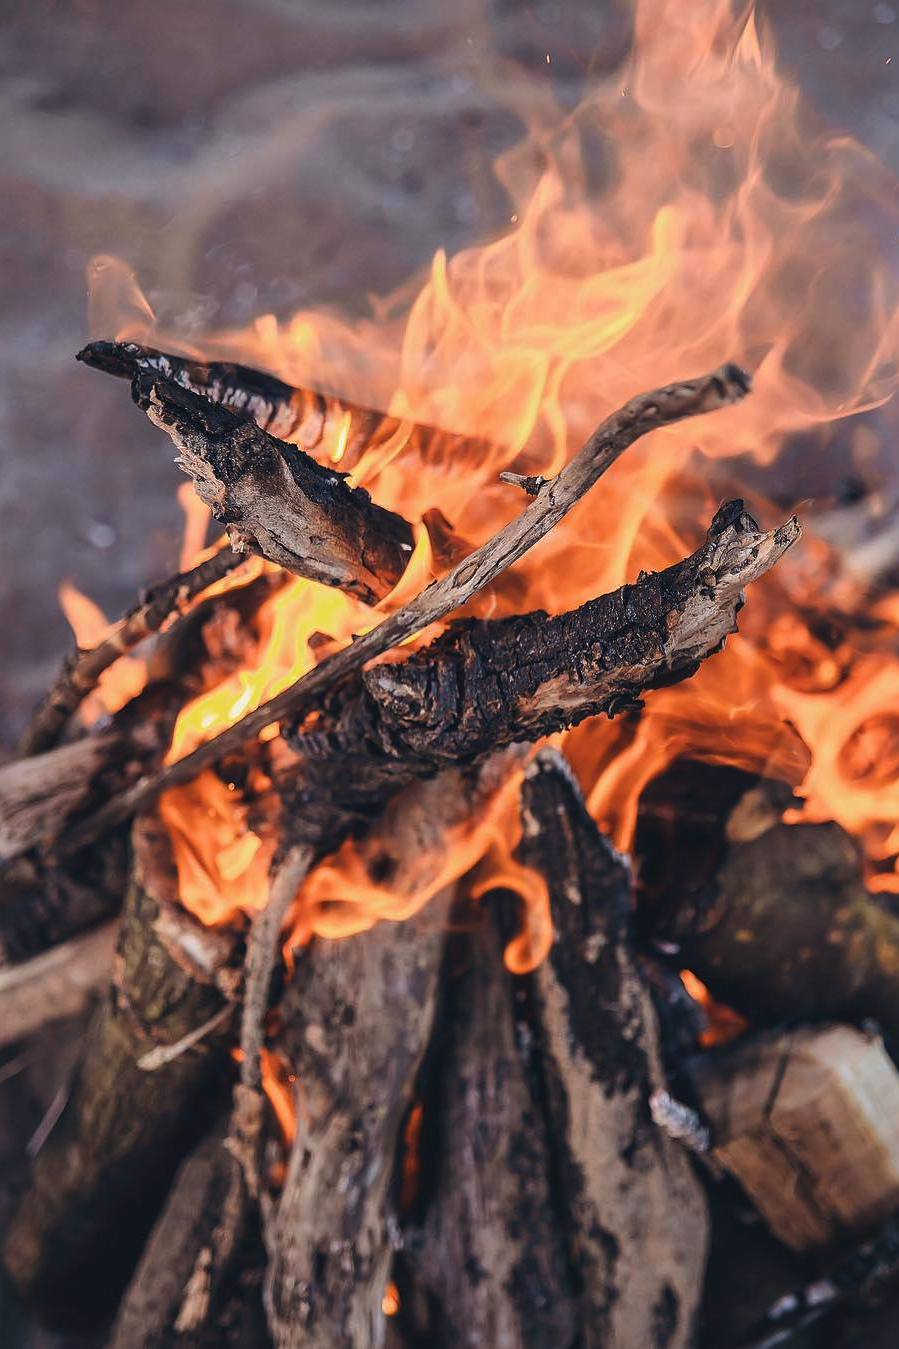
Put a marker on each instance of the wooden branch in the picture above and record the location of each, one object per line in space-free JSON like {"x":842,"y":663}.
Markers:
{"x":60,"y":983}
{"x":97,"y":1182}
{"x":484,"y":685}
{"x":487,"y":1263}
{"x":636,"y":1214}
{"x":779,"y":926}
{"x":36,"y":793}
{"x":642,"y":414}
{"x":275,"y":500}
{"x":358,"y":1016}
{"x":81,"y":671}
{"x":317,"y":422}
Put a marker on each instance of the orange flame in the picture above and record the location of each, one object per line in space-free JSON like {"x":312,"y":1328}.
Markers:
{"x":685,"y":213}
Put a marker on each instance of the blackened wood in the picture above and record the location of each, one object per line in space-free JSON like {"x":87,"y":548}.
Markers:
{"x":557,"y":496}
{"x":101,"y":1175}
{"x":310,"y":419}
{"x":779,"y":926}
{"x":82,"y":669}
{"x":488,"y":1259}
{"x":184,"y":1295}
{"x":486,"y":684}
{"x":358,"y":1016}
{"x":275,"y":500}
{"x":637,"y":1222}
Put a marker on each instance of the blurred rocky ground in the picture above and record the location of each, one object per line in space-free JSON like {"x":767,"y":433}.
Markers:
{"x":246,"y":156}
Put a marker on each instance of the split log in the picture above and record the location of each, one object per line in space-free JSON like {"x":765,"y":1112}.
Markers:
{"x":555,"y":499}
{"x":275,"y":500}
{"x":182,"y":1296}
{"x":60,"y":983}
{"x":808,"y":1123}
{"x":358,"y":1016}
{"x":319,"y":423}
{"x":36,"y":793}
{"x":81,"y":671}
{"x":779,"y":925}
{"x":636,"y":1214}
{"x":486,"y":1260}
{"x":99,"y":1178}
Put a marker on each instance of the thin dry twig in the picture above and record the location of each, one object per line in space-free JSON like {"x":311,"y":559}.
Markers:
{"x":647,"y":412}
{"x":81,"y":671}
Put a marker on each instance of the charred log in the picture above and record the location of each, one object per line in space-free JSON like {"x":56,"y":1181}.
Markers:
{"x":779,"y":925}
{"x":637,"y":1224}
{"x":486,"y":684}
{"x":98,"y":1180}
{"x":315,"y":421}
{"x":275,"y":500}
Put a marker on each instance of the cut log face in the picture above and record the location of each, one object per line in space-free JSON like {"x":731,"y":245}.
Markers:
{"x":808,"y":1123}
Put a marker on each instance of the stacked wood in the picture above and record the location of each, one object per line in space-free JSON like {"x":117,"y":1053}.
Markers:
{"x":132,"y":1110}
{"x":774,"y":918}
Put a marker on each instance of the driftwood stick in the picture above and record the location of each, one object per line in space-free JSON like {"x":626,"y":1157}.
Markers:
{"x":642,"y":414}
{"x":636,"y":1217}
{"x":275,"y":500}
{"x":779,"y":926}
{"x":358,"y":1017}
{"x":99,"y":1178}
{"x":82,"y":669}
{"x":323,"y":425}
{"x":60,"y":983}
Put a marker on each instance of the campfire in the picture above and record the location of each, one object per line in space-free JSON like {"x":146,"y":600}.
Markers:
{"x":487,"y":942}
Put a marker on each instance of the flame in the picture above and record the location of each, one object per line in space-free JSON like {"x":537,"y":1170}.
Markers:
{"x":120,"y":682}
{"x":686,"y":212}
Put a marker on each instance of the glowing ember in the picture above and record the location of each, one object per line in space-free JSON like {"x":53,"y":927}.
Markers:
{"x":721,"y":228}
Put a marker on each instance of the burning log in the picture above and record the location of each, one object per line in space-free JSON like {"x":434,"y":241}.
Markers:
{"x":778,"y":925}
{"x":637,"y":1221}
{"x":555,"y":499}
{"x":806,"y":1121}
{"x":101,"y":1173}
{"x":320,"y":424}
{"x":358,"y":1017}
{"x":275,"y":500}
{"x":81,"y":672}
{"x":484,"y":1257}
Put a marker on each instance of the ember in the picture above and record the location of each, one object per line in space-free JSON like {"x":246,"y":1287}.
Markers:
{"x":376,"y":762}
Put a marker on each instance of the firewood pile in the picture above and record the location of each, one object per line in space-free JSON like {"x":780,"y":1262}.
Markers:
{"x":404,"y":1137}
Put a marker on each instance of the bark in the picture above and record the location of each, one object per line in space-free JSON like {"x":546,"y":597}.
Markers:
{"x":81,"y":671}
{"x":183,"y":1294}
{"x":60,"y":983}
{"x":487,"y":1263}
{"x":36,"y":793}
{"x":315,"y":421}
{"x":489,"y":683}
{"x":98,"y":1180}
{"x":275,"y":500}
{"x":358,"y":1015}
{"x":780,"y":925}
{"x":556,"y":497}
{"x":636,"y":1216}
